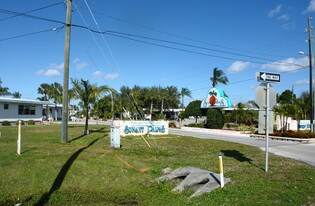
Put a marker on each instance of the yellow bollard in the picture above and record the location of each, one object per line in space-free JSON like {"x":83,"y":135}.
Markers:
{"x":221,"y":171}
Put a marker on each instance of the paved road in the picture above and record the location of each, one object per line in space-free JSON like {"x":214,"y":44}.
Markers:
{"x":304,"y":152}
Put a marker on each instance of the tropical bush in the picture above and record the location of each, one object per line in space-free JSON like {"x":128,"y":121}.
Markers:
{"x":244,"y":128}
{"x":30,"y":122}
{"x":215,"y":119}
{"x":5,"y":123}
{"x":22,"y":122}
{"x":294,"y":134}
{"x":198,"y":125}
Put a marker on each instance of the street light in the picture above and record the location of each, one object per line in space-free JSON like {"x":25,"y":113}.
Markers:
{"x":311,"y":89}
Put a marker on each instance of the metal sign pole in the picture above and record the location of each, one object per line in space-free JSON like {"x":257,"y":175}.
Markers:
{"x":267,"y":126}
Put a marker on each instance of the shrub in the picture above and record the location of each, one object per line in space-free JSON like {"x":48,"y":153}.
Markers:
{"x":215,"y":119}
{"x":244,"y":128}
{"x":30,"y":122}
{"x":172,"y":124}
{"x":6,"y":123}
{"x":230,"y":125}
{"x":158,"y":117}
{"x":198,"y":125}
{"x":22,"y":122}
{"x":295,"y":134}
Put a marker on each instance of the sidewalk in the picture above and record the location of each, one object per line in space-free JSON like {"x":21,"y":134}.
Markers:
{"x":215,"y":131}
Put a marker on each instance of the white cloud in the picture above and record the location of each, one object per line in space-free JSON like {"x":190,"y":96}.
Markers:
{"x":52,"y":70}
{"x":287,"y":65}
{"x":288,"y":26}
{"x":238,"y":66}
{"x":48,"y":73}
{"x":302,"y":82}
{"x":98,"y":73}
{"x":284,"y":17}
{"x":109,"y":76}
{"x":79,"y":65}
{"x":76,"y":60}
{"x":56,"y":66}
{"x":311,"y":7}
{"x":275,"y":11}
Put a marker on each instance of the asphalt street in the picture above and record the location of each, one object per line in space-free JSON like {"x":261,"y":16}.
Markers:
{"x":304,"y":152}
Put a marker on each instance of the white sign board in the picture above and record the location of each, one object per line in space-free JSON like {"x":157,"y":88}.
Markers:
{"x":136,"y":128}
{"x":304,"y":125}
{"x":216,"y":99}
{"x":268,"y":77}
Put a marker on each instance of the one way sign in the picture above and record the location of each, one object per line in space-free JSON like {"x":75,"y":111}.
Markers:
{"x":268,"y":77}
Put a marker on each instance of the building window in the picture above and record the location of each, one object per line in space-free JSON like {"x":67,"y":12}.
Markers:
{"x":6,"y":106}
{"x":27,"y":110}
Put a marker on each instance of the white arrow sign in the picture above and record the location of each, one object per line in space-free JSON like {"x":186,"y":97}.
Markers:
{"x":268,"y":77}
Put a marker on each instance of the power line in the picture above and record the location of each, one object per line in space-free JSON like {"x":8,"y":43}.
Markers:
{"x":14,"y":13}
{"x":114,"y":33}
{"x":203,"y":54}
{"x":33,"y":33}
{"x":191,"y":39}
{"x":41,"y":8}
{"x":193,"y":46}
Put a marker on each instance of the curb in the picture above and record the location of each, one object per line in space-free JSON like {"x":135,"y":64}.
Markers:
{"x":215,"y":131}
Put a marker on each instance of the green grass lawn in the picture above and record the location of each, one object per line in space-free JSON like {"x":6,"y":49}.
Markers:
{"x":86,"y":171}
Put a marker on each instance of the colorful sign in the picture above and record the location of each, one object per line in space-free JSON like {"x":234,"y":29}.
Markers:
{"x":216,"y":99}
{"x":136,"y":128}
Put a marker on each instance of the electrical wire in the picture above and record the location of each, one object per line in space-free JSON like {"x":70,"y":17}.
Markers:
{"x":113,"y":33}
{"x":190,"y":39}
{"x":110,"y":51}
{"x":96,"y":42}
{"x":189,"y":45}
{"x":41,"y":8}
{"x":33,"y":33}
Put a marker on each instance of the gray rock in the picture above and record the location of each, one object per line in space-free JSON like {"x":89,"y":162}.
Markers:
{"x":199,"y":180}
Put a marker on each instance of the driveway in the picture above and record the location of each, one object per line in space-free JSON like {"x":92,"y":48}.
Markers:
{"x":304,"y":152}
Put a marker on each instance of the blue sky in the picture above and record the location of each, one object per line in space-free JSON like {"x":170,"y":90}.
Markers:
{"x":184,"y":41}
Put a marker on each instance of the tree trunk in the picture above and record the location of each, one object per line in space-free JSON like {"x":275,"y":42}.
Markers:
{"x":56,"y":112}
{"x":162,"y":105}
{"x":86,"y":130}
{"x":182,"y":102}
{"x":151,"y":108}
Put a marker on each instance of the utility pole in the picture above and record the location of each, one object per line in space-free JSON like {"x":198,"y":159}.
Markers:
{"x":309,"y":29}
{"x":65,"y":105}
{"x":112,"y":110}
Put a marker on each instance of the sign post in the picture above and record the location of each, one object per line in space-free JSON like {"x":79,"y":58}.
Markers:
{"x":19,"y":138}
{"x":267,"y":78}
{"x":267,"y":126}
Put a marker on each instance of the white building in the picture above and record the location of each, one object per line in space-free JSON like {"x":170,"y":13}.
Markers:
{"x":12,"y":109}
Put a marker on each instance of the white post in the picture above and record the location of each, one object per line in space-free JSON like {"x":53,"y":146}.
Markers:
{"x":19,"y":139}
{"x":267,"y":126}
{"x":221,"y":171}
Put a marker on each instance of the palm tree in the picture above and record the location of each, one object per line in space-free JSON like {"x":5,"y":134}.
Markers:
{"x":16,"y":95}
{"x":218,"y":77}
{"x":152,"y":95}
{"x":44,"y":90}
{"x":303,"y":102}
{"x":88,"y":94}
{"x":184,"y":92}
{"x":55,"y":92}
{"x":162,"y":95}
{"x":4,"y":90}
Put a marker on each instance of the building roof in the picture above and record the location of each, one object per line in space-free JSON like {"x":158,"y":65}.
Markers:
{"x":24,"y":101}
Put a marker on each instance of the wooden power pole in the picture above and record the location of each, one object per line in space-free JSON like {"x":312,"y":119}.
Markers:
{"x":65,"y":104}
